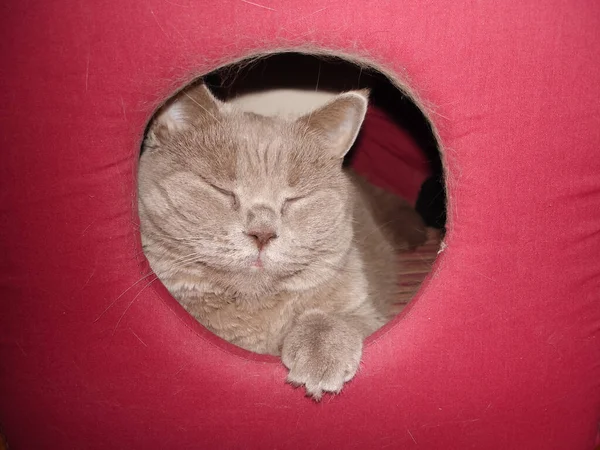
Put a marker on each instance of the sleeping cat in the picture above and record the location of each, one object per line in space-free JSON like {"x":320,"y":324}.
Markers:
{"x":254,"y":227}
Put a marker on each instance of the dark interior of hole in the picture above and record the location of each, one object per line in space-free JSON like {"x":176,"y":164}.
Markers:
{"x":301,"y":71}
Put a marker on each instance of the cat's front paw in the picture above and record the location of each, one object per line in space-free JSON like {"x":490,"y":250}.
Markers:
{"x":322,"y":353}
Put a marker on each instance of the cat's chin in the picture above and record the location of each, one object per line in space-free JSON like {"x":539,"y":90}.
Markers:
{"x":258,"y":270}
{"x":261,"y":264}
{"x":260,"y":276}
{"x":257,"y":264}
{"x":254,"y":282}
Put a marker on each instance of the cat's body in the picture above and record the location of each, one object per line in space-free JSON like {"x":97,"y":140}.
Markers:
{"x":255,"y":229}
{"x":257,"y":312}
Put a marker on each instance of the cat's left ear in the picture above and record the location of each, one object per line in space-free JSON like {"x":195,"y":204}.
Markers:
{"x":192,"y":106}
{"x":338,"y":122}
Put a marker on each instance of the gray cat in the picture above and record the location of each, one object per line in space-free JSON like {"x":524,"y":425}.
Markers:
{"x":254,"y":227}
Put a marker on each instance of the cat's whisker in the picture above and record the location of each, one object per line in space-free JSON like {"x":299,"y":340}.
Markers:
{"x":175,"y":238}
{"x":184,"y":259}
{"x":131,"y":303}
{"x":122,"y":294}
{"x":188,"y":264}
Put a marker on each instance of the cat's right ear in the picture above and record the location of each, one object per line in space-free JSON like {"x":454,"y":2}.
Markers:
{"x":191,"y":107}
{"x":338,"y":122}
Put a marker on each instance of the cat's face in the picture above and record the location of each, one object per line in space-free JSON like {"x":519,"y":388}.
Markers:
{"x":246,"y":195}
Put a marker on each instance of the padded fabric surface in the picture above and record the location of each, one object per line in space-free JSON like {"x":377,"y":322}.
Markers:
{"x":501,"y":349}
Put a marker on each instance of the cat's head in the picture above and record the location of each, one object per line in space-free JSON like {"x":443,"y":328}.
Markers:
{"x":249,"y":197}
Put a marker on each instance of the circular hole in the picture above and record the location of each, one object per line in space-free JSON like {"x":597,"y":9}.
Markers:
{"x":396,"y":151}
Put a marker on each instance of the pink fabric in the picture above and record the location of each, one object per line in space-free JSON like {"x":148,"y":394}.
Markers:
{"x":500,"y":350}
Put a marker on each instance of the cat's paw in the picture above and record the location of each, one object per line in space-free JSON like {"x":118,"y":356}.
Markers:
{"x":322,"y":353}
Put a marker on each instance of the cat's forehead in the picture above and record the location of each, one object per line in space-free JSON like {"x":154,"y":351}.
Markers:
{"x":269,"y":149}
{"x":258,"y":152}
{"x":263,"y":163}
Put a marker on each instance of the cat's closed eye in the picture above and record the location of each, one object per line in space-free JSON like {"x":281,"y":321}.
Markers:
{"x":227,"y":194}
{"x":290,"y":201}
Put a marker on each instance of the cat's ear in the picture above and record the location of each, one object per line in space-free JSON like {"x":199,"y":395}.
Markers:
{"x":338,"y":122}
{"x":192,"y":106}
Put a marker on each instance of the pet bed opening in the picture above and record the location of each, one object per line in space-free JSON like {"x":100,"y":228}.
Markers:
{"x":396,"y":148}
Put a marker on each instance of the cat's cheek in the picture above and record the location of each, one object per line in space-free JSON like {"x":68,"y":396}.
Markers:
{"x":324,"y":207}
{"x":315,"y":219}
{"x":330,"y":206}
{"x":154,"y":201}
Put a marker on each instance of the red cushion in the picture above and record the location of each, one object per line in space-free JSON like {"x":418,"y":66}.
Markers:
{"x":499,"y":350}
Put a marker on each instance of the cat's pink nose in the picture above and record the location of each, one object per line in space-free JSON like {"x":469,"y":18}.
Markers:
{"x":262,"y":236}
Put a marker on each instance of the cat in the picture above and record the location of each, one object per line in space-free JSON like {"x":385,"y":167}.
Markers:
{"x":253,"y":225}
